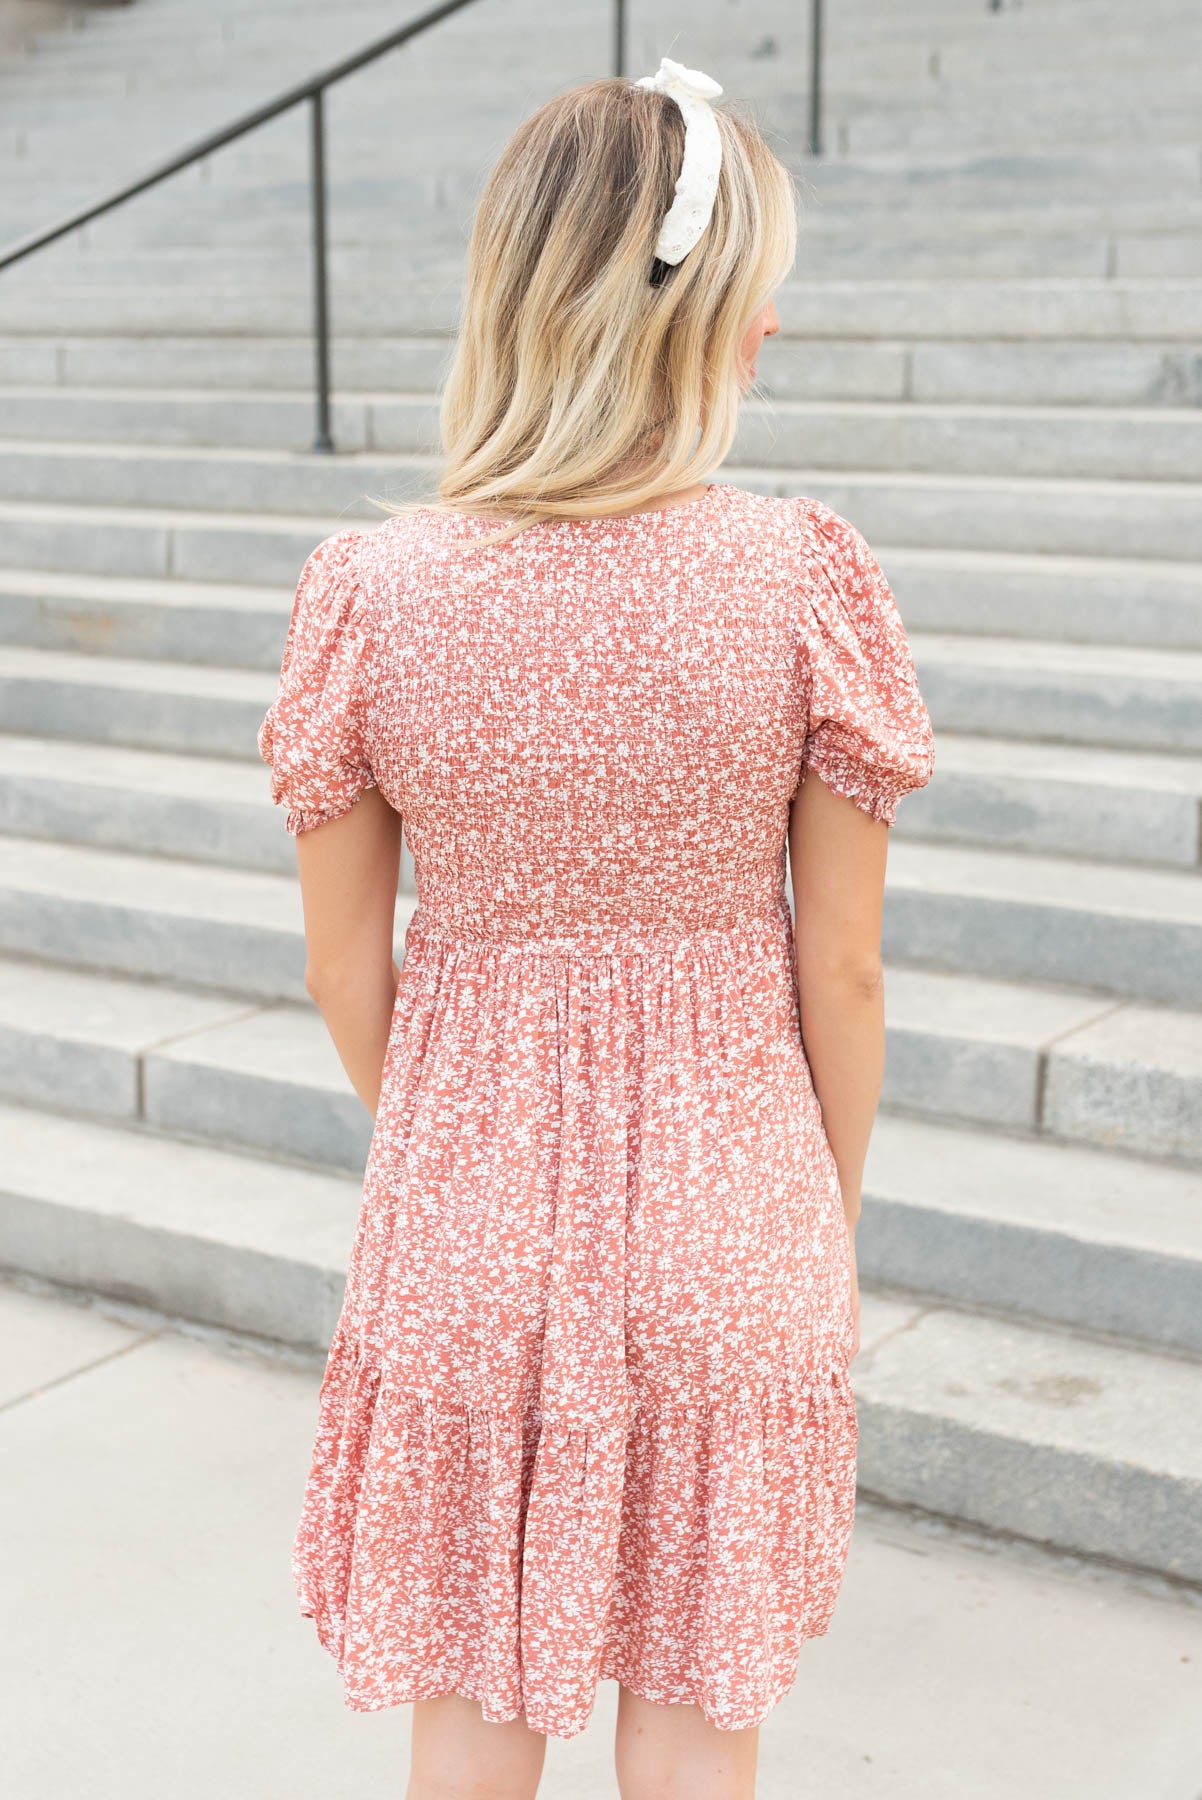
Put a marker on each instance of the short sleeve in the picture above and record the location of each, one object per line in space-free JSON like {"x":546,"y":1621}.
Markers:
{"x":868,"y":734}
{"x":314,"y":736}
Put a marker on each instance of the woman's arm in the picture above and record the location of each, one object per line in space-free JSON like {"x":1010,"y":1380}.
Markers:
{"x":837,"y":861}
{"x":349,"y":868}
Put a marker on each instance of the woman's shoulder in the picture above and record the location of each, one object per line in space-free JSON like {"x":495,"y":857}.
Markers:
{"x":807,"y":532}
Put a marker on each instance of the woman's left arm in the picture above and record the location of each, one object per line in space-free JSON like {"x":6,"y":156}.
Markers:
{"x":349,"y":868}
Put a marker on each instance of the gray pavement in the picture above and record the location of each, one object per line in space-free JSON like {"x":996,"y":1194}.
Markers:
{"x":152,"y":1649}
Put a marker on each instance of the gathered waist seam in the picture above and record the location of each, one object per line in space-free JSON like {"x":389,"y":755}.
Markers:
{"x":615,"y":940}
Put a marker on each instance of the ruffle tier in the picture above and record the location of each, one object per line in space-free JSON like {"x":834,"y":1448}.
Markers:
{"x":518,"y":1558}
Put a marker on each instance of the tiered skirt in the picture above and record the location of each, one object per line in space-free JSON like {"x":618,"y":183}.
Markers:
{"x":587,"y":1410}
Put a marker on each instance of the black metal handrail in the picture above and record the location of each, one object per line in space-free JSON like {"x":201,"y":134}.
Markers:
{"x":313,"y":90}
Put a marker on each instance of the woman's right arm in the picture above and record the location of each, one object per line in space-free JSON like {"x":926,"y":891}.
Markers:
{"x":837,"y":857}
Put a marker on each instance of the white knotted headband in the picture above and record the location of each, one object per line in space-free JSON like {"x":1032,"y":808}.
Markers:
{"x":697,"y":183}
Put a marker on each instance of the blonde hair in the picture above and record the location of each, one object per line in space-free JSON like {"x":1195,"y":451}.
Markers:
{"x":587,"y":378}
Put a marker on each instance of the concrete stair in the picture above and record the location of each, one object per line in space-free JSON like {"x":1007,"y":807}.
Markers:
{"x":991,"y":360}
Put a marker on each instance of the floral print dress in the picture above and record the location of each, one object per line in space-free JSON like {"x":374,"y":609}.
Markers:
{"x":587,"y":1410}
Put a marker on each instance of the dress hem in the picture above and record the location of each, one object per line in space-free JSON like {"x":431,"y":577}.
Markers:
{"x":409,"y":1693}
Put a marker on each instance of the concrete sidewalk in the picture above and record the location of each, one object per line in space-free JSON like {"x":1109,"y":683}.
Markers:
{"x":152,"y":1649}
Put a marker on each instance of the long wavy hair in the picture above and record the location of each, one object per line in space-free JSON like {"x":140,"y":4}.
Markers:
{"x":587,"y":377}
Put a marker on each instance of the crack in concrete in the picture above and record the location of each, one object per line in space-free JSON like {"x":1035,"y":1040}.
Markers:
{"x":97,"y":1362}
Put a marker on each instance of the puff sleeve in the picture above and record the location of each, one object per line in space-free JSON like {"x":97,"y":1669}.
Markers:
{"x":868,"y":733}
{"x":314,"y":736}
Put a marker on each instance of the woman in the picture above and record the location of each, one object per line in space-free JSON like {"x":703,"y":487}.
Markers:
{"x":587,"y":1412}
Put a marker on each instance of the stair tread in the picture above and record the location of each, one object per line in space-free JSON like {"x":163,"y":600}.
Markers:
{"x":141,"y":590}
{"x":1038,"y":658}
{"x":202,"y":680}
{"x":86,"y":876}
{"x":222,"y":1197}
{"x":55,"y":512}
{"x":1036,"y":1185}
{"x":1058,"y":1021}
{"x":1050,"y":656}
{"x":1031,"y":1384}
{"x":1012,"y":1012}
{"x":962,"y":753}
{"x":1032,"y":759}
{"x":108,"y":1011}
{"x":1016,"y":1381}
{"x":1106,"y":489}
{"x":1051,"y":880}
{"x":177,"y":591}
{"x":1088,"y":418}
{"x":1075,"y":883}
{"x":146,"y":772}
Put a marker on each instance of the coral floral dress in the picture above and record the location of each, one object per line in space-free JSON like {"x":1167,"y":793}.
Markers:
{"x":587,"y":1411}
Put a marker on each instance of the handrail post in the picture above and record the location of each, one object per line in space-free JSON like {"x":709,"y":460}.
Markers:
{"x":619,"y":37}
{"x":323,"y":441}
{"x":815,"y":77}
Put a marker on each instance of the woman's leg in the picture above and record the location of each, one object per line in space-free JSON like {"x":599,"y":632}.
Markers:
{"x":458,"y":1755}
{"x":674,"y":1753}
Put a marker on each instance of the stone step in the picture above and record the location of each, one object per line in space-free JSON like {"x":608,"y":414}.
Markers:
{"x":1066,"y":799}
{"x":1065,"y":373}
{"x":1092,"y":600}
{"x":1044,"y":1061}
{"x":1070,"y":255}
{"x":1054,"y":1233}
{"x":949,"y":17}
{"x":238,"y":1241}
{"x":202,"y":808}
{"x":1123,"y":931}
{"x":226,"y":214}
{"x":1117,"y":695}
{"x":1130,"y":519}
{"x":1053,"y":1435}
{"x":233,"y":930}
{"x":1089,"y":311}
{"x":1117,"y":929}
{"x":239,"y":1073}
{"x":280,"y":479}
{"x":249,"y":548}
{"x":969,"y":129}
{"x":998,"y":687}
{"x":936,"y":79}
{"x":957,"y":121}
{"x":388,"y":362}
{"x":233,"y":479}
{"x":1119,"y":807}
{"x":1145,"y":443}
{"x":117,"y":700}
{"x":969,"y":48}
{"x":1151,"y":521}
{"x":1041,"y":1432}
{"x":1050,"y":442}
{"x":222,"y":624}
{"x":248,"y":204}
{"x":222,"y":1070}
{"x":924,"y":162}
{"x":1023,"y":246}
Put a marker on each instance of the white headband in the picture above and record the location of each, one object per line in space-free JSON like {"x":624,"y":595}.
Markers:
{"x":697,"y":183}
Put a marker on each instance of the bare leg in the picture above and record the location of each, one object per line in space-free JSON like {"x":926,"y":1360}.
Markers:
{"x":458,"y":1755}
{"x":674,"y":1753}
